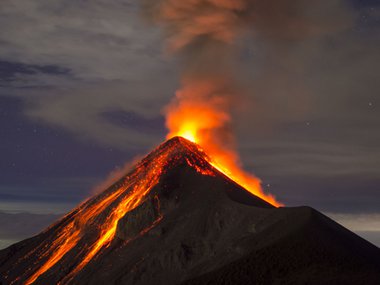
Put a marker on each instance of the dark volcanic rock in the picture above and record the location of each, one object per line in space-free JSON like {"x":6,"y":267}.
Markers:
{"x":306,"y":247}
{"x":139,"y":219}
{"x":193,"y":228}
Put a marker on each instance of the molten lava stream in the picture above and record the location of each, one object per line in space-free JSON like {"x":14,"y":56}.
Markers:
{"x":67,"y":241}
{"x":110,"y":226}
{"x":120,"y":202}
{"x":147,"y":179}
{"x":247,"y":181}
{"x":224,"y":161}
{"x":71,"y":233}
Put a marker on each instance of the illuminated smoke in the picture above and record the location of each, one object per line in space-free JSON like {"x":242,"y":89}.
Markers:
{"x":202,"y":33}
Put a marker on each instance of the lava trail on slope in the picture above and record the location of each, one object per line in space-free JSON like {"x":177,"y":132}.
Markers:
{"x":175,"y":219}
{"x":83,"y":233}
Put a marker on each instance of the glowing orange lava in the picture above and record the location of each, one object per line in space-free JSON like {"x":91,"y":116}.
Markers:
{"x":92,"y":227}
{"x":117,"y":203}
{"x":195,"y":121}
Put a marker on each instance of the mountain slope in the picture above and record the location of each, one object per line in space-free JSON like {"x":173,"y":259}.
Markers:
{"x":175,"y":218}
{"x":176,"y":171}
{"x":302,"y":247}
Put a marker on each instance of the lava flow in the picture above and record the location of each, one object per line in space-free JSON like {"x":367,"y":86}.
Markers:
{"x":87,"y":230}
{"x":83,"y":234}
{"x":198,"y":122}
{"x":102,"y":215}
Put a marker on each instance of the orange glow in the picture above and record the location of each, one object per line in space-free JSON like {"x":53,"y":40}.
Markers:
{"x":200,"y":168}
{"x":70,"y":234}
{"x":92,"y":227}
{"x":188,"y":117}
{"x":109,"y":227}
{"x":225,"y":162}
{"x":188,"y":134}
{"x":64,"y":243}
{"x":199,"y":115}
{"x":122,"y":200}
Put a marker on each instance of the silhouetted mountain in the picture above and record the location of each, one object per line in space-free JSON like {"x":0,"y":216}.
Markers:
{"x":175,"y":219}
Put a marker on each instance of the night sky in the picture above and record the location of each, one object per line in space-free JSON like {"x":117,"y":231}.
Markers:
{"x":83,"y":85}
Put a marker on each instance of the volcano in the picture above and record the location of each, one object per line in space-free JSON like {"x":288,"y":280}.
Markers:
{"x":175,"y":219}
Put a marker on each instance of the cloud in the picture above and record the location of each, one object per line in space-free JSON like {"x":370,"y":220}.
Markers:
{"x":365,"y":225}
{"x":311,"y":159}
{"x":299,"y":62}
{"x":358,"y":222}
{"x":83,"y":111}
{"x":112,"y":60}
{"x":98,"y":40}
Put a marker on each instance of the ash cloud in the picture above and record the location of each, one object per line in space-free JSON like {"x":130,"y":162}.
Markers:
{"x":206,"y":36}
{"x":196,"y":24}
{"x":105,"y":47}
{"x":308,"y":71}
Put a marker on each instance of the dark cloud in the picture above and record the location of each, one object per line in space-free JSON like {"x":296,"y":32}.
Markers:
{"x":97,"y":40}
{"x":91,"y":111}
{"x":292,"y":20}
{"x":307,"y":110}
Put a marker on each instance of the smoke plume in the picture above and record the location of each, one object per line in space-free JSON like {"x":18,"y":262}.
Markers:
{"x":204,"y":35}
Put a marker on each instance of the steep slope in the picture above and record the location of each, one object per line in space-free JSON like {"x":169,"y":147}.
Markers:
{"x":169,"y":178}
{"x":175,"y":218}
{"x":302,"y":246}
